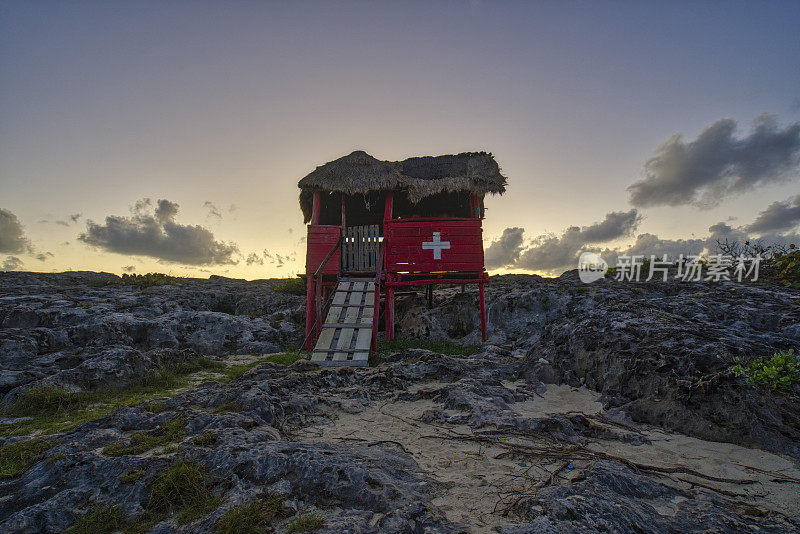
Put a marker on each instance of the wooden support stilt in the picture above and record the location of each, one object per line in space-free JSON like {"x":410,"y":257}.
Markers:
{"x":389,"y":309}
{"x":483,"y":310}
{"x":310,"y":311}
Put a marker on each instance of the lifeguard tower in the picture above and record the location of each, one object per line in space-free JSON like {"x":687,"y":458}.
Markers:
{"x":376,"y":226}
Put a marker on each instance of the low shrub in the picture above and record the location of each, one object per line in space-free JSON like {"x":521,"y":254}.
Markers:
{"x":149,"y":280}
{"x":779,"y":372}
{"x":292,"y":286}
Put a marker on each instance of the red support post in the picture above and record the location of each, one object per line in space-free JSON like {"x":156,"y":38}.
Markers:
{"x":309,"y":311}
{"x":318,"y":308}
{"x":389,"y":308}
{"x":317,"y":206}
{"x":387,"y":209}
{"x":483,"y":310}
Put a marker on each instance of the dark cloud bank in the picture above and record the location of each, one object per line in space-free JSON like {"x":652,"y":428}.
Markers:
{"x":717,"y":164}
{"x":12,"y":234}
{"x":555,"y":254}
{"x":153,"y":232}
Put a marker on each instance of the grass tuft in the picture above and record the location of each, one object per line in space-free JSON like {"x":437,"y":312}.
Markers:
{"x":47,"y":400}
{"x":250,"y":518}
{"x":55,"y":409}
{"x":440,"y":347}
{"x":132,"y":475}
{"x":183,"y":489}
{"x":148,"y":439}
{"x":18,"y":457}
{"x":305,"y":523}
{"x":102,"y":519}
{"x":209,"y":438}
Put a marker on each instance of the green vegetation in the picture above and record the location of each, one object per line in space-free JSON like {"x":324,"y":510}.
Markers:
{"x":293,"y":286}
{"x":18,"y":457}
{"x":55,"y":458}
{"x":148,"y":439}
{"x":285,"y":358}
{"x":102,"y":519}
{"x":441,"y":347}
{"x":132,"y":475}
{"x":55,"y":409}
{"x":183,"y":489}
{"x":149,"y":280}
{"x":305,"y":523}
{"x":778,"y":373}
{"x":250,"y":518}
{"x":208,"y":438}
{"x":786,"y":269}
{"x":156,"y":406}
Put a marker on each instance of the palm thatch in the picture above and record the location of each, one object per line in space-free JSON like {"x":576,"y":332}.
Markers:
{"x":421,"y":177}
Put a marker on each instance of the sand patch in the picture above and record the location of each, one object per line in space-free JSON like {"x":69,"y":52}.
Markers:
{"x":478,"y":485}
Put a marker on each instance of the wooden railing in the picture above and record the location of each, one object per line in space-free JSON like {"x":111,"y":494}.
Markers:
{"x":361,"y":248}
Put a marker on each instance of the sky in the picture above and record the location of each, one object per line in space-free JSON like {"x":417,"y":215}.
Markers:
{"x":170,"y":136}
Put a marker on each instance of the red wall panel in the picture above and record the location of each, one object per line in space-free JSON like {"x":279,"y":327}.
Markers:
{"x":319,"y":241}
{"x":460,"y":245}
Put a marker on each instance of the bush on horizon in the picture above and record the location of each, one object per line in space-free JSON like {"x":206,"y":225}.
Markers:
{"x":292,"y":286}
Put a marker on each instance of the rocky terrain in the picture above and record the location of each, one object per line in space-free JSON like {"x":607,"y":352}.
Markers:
{"x":592,"y":408}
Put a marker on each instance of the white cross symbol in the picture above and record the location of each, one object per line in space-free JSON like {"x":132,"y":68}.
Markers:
{"x":437,"y":245}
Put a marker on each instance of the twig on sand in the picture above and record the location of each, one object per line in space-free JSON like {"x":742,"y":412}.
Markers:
{"x":403,"y":419}
{"x":379,"y":442}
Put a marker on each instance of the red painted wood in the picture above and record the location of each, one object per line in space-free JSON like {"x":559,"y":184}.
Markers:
{"x":317,"y":206}
{"x":404,"y":238}
{"x":387,"y":208}
{"x":319,"y":242}
{"x":310,"y":314}
{"x":483,"y":310}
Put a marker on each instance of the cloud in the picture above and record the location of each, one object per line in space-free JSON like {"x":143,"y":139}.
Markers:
{"x":12,"y":263}
{"x":254,"y":258}
{"x":279,"y":260}
{"x":72,"y":220}
{"x":717,"y":164}
{"x":44,"y":256}
{"x":213,"y":211}
{"x":553,"y":253}
{"x":556,"y":254}
{"x":505,"y":250}
{"x":157,"y":235}
{"x":129,"y":268}
{"x":778,"y":216}
{"x":12,"y":235}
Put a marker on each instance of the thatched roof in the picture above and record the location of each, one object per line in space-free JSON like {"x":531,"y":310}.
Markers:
{"x":420,"y":177}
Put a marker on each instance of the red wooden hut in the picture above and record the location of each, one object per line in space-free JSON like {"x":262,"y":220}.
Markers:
{"x":376,"y":226}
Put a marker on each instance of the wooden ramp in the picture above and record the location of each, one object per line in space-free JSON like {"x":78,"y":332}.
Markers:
{"x":346,"y":335}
